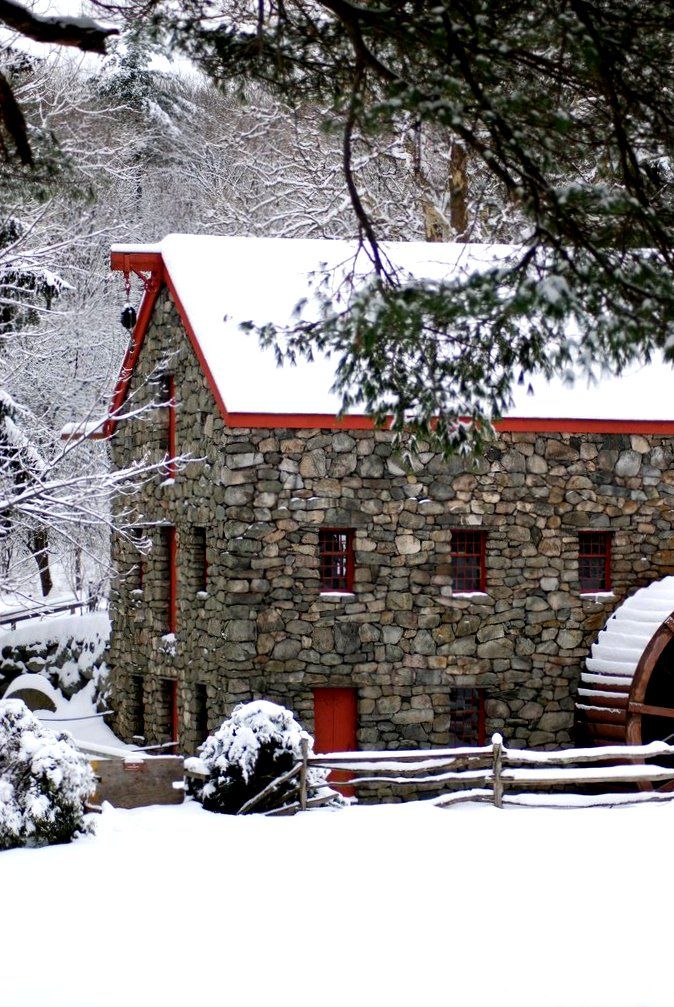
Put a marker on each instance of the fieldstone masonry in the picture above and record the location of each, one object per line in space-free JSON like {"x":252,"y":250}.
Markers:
{"x":403,"y":639}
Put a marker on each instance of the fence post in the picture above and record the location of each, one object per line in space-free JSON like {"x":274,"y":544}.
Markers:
{"x":304,"y":747}
{"x":497,"y":746}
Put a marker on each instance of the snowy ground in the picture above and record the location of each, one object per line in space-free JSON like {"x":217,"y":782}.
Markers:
{"x":394,"y":905}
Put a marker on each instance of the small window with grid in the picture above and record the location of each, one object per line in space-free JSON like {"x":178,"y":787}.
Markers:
{"x":166,"y":399}
{"x":201,"y":719}
{"x":164,"y":389}
{"x":137,"y":571}
{"x":137,"y":708}
{"x":466,"y":717}
{"x":469,"y":552}
{"x":594,"y":561}
{"x":167,"y":574}
{"x":168,"y":710}
{"x":200,"y":559}
{"x":335,"y":546}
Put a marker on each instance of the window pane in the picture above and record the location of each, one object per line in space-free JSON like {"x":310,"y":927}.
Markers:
{"x":201,"y":725}
{"x":168,"y":710}
{"x":200,"y":562}
{"x":466,"y":712}
{"x":137,"y":707}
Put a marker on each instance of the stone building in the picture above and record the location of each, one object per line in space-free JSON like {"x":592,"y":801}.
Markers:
{"x":296,"y":557}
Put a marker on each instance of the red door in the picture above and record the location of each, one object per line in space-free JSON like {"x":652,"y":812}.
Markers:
{"x":335,"y":726}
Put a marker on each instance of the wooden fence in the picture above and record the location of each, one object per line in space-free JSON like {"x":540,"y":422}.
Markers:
{"x":501,"y":775}
{"x":10,"y":618}
{"x":492,"y":773}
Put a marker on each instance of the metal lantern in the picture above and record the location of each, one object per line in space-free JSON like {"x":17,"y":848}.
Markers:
{"x":128,"y":316}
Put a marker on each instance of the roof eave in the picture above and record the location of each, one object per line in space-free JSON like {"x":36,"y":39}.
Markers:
{"x":135,"y":262}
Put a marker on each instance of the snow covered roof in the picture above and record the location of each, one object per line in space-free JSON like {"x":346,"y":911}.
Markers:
{"x":621,"y":643}
{"x":219,"y":282}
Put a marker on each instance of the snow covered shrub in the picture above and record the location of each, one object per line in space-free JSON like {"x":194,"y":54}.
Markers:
{"x":44,"y":781}
{"x":260,"y":742}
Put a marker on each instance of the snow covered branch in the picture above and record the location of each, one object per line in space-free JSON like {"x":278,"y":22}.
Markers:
{"x":81,"y":32}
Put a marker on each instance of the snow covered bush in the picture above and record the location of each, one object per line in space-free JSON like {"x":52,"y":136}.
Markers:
{"x":44,"y":781}
{"x":260,"y":742}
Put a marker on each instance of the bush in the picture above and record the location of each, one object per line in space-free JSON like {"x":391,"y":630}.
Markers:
{"x":44,"y":781}
{"x":260,"y":742}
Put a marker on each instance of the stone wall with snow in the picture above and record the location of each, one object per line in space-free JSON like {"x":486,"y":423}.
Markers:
{"x":68,"y":650}
{"x":403,"y":640}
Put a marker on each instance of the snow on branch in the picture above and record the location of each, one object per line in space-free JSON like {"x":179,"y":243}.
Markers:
{"x":81,"y":32}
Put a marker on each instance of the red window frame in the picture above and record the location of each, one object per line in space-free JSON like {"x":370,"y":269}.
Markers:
{"x":167,"y":399}
{"x":466,"y":716}
{"x":169,"y":539}
{"x":336,"y":559}
{"x":469,"y":560}
{"x":594,"y":561}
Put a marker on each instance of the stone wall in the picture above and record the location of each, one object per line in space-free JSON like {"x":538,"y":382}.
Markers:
{"x":403,"y":639}
{"x":68,"y":650}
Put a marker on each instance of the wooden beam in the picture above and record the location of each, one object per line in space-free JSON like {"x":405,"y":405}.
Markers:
{"x":136,"y":262}
{"x":598,"y":733}
{"x":651,"y":711}
{"x":603,"y":715}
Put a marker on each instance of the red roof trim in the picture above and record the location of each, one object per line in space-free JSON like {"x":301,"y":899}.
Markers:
{"x":152,"y":289}
{"x":136,"y":262}
{"x":327,"y":421}
{"x":306,"y":421}
{"x":152,"y":262}
{"x":517,"y":424}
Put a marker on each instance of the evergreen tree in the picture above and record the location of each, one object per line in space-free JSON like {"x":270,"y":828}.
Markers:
{"x":568,"y":106}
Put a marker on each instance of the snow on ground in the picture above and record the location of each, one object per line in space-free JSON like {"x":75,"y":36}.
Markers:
{"x":394,"y":905}
{"x":77,"y":715}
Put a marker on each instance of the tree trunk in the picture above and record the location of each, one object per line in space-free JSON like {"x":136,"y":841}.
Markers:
{"x":458,"y":202}
{"x":39,"y":547}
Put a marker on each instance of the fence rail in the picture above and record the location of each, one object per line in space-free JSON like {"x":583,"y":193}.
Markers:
{"x":11,"y":617}
{"x":496,"y":774}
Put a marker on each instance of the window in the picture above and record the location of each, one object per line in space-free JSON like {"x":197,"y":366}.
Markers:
{"x":469,"y":551}
{"x":335,"y":546}
{"x":466,"y":717}
{"x":137,"y":708}
{"x":136,"y":571}
{"x":594,"y":560}
{"x":168,"y":710}
{"x":201,"y":720}
{"x":168,"y":574}
{"x":200,"y":559}
{"x":167,"y":401}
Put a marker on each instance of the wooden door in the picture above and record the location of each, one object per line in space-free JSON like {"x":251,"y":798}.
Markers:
{"x":335,"y":726}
